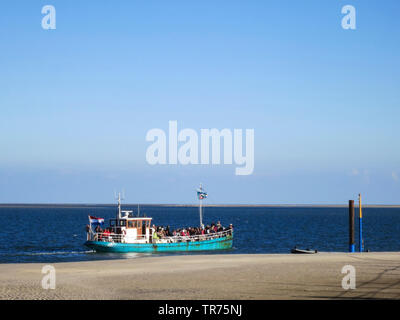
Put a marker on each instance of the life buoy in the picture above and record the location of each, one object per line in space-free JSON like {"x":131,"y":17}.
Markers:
{"x":124,"y":232}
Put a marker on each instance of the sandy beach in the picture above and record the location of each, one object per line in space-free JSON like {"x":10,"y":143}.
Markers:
{"x":228,"y":276}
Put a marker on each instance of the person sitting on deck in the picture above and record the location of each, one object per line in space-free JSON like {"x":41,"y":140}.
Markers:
{"x":167,"y":232}
{"x":155,"y":236}
{"x":212,"y":229}
{"x":107,"y":234}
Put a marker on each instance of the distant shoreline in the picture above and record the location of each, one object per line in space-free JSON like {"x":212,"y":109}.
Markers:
{"x":97,"y":205}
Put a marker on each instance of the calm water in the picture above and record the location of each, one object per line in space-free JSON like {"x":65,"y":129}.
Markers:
{"x":58,"y":234}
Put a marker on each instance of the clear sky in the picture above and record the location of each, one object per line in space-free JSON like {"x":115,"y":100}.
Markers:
{"x":76,"y":102}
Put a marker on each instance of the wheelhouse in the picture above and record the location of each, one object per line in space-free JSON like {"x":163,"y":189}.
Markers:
{"x":134,"y":229}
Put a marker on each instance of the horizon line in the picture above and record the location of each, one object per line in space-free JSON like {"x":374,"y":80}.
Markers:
{"x":60,"y":204}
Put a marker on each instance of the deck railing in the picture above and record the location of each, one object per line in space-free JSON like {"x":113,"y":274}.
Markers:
{"x":107,"y":237}
{"x":114,"y":237}
{"x":110,"y":237}
{"x":197,"y":237}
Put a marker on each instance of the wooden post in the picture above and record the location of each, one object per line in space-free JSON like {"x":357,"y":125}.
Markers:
{"x":351,"y":226}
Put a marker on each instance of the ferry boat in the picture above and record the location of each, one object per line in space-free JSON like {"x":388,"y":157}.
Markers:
{"x":127,"y":233}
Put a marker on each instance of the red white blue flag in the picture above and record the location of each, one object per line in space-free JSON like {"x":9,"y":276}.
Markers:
{"x":95,"y":220}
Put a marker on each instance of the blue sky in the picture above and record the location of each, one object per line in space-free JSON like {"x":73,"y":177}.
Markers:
{"x":76,"y":102}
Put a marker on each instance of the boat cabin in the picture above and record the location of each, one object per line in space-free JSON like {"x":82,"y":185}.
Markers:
{"x":133,"y":229}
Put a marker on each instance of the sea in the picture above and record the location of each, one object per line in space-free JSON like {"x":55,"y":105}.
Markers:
{"x":57,"y":234}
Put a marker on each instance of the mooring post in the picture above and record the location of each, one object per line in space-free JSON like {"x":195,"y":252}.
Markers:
{"x":351,"y":226}
{"x":360,"y":224}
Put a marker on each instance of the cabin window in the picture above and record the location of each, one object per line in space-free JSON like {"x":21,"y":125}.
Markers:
{"x":130,"y":224}
{"x":144,"y":227}
{"x":139,"y":224}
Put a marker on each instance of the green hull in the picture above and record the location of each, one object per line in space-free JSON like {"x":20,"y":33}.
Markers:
{"x":212,"y":244}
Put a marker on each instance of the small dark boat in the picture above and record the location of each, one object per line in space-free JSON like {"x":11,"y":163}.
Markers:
{"x":307,"y":251}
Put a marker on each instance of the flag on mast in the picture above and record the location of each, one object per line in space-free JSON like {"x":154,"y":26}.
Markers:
{"x":94,"y":220}
{"x":201,"y":194}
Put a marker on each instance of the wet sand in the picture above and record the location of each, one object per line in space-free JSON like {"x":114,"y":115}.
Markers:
{"x":227,"y":276}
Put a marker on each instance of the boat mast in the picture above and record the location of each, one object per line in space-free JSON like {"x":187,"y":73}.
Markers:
{"x":201,"y":215}
{"x":119,"y":205}
{"x":200,"y":196}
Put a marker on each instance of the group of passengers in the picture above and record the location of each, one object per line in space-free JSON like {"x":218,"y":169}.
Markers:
{"x":159,"y":232}
{"x":106,"y":233}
